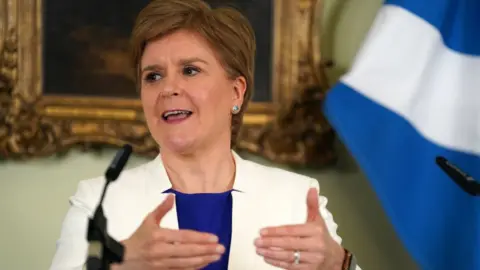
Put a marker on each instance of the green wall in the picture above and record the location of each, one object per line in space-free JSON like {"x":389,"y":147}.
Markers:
{"x":34,"y":194}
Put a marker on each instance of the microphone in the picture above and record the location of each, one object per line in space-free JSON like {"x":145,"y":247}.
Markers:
{"x":466,"y":182}
{"x":104,"y":250}
{"x":118,"y":163}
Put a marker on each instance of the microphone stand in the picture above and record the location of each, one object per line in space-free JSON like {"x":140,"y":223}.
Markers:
{"x":103,"y":250}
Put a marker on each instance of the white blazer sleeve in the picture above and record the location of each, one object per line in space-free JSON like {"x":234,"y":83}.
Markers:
{"x":328,"y":217}
{"x":72,"y":246}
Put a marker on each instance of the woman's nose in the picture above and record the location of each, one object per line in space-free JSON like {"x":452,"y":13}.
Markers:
{"x":171,"y":86}
{"x":169,"y":93}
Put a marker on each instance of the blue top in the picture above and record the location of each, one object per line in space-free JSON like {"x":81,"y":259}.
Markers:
{"x":207,"y":212}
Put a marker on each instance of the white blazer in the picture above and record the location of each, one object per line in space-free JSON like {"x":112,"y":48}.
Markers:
{"x":264,"y":196}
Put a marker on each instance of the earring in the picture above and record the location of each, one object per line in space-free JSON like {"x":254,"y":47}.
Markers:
{"x":235,"y":109}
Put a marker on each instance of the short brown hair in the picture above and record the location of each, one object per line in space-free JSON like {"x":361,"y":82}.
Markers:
{"x":226,"y":30}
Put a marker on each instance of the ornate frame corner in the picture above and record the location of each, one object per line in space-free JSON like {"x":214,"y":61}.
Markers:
{"x":289,"y":130}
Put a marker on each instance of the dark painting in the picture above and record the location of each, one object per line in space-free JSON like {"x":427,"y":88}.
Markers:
{"x":86,"y":46}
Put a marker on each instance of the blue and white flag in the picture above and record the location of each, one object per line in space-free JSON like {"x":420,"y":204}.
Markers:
{"x":412,"y":94}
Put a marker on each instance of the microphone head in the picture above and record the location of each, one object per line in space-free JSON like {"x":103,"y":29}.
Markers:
{"x":127,"y":148}
{"x":462,"y":179}
{"x":440,"y":160}
{"x":118,"y":163}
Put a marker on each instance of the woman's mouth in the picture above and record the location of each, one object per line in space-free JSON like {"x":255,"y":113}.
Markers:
{"x":175,"y":116}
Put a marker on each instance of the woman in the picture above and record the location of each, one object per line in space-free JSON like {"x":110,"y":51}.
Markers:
{"x":198,"y":205}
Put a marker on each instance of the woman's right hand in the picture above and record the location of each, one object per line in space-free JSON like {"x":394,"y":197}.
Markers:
{"x":153,"y":247}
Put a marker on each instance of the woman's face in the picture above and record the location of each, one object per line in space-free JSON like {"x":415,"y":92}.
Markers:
{"x":186,"y":94}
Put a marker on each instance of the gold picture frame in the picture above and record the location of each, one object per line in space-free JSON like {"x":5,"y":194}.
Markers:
{"x":289,"y":130}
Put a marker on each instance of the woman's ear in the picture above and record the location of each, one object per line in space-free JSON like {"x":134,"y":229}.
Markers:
{"x":239,"y":89}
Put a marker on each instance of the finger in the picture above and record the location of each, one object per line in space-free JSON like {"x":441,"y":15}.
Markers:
{"x":184,"y":236}
{"x":184,"y":250}
{"x":288,"y":256}
{"x":182,"y":263}
{"x":163,"y":208}
{"x":313,"y":213}
{"x":298,"y":230}
{"x":291,"y":243}
{"x":286,"y":265}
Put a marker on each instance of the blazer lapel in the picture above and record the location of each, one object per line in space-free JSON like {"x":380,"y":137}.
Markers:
{"x":245,"y":224}
{"x":170,"y":220}
{"x":244,"y":232}
{"x":157,"y":183}
{"x":252,"y":211}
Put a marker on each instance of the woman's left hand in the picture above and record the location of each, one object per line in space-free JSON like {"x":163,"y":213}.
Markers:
{"x":317,"y":250}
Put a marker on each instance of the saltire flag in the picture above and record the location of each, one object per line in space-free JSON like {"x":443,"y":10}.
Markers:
{"x":412,"y":94}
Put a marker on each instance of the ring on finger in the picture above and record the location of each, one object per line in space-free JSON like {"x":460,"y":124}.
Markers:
{"x":296,"y":257}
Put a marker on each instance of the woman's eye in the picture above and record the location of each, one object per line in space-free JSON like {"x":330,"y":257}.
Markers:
{"x":152,"y":77}
{"x":190,"y":71}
